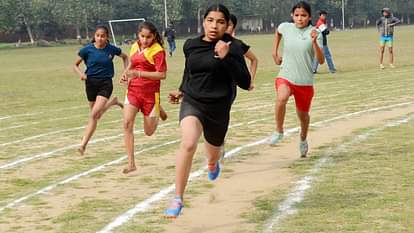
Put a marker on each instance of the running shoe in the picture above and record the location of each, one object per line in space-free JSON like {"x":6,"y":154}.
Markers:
{"x":276,"y":137}
{"x":212,"y":175}
{"x":382,"y":66}
{"x":303,"y":148}
{"x":392,"y":66}
{"x":175,"y":208}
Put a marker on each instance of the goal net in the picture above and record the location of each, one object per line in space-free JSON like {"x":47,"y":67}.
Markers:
{"x":124,"y":31}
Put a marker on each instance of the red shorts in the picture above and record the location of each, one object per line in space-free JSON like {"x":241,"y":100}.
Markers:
{"x":146,"y":102}
{"x":303,"y":94}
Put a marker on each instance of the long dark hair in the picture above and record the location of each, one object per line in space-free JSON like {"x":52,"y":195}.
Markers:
{"x":233,"y":19}
{"x":304,"y":5}
{"x":151,"y":27}
{"x":219,"y":8}
{"x":101,"y":27}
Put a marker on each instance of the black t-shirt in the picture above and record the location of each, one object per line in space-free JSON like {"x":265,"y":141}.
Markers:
{"x":244,"y":47}
{"x":210,"y":79}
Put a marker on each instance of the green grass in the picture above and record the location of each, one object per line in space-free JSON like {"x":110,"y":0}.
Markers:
{"x":41,"y":81}
{"x":367,"y":188}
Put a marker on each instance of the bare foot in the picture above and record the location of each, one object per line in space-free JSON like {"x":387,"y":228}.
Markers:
{"x":115,"y":101}
{"x":121,"y":105}
{"x":128,"y":170}
{"x":81,"y":150}
{"x":163,"y":115}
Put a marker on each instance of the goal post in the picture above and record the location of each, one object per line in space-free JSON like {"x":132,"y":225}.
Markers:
{"x":118,"y":21}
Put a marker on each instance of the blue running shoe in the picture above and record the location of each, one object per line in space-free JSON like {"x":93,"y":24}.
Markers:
{"x":212,"y":175}
{"x":175,"y":208}
{"x":276,"y":137}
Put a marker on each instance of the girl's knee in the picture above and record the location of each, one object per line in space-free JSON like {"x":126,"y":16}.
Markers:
{"x":149,"y":131}
{"x":150,"y":127}
{"x":282,"y":100}
{"x":128,"y":125}
{"x":96,"y":115}
{"x":188,"y":146}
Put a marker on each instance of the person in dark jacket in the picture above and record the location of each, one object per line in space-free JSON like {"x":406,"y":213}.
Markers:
{"x":170,"y":35}
{"x":322,"y":26}
{"x":385,"y":26}
{"x":212,"y":64}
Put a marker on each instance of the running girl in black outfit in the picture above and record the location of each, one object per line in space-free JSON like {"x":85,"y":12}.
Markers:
{"x":212,"y":64}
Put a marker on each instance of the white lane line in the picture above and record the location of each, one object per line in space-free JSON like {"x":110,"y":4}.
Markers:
{"x":288,"y":206}
{"x":49,"y":153}
{"x":54,"y":110}
{"x":10,"y":165}
{"x":11,"y":127}
{"x":48,"y":188}
{"x":193,"y":175}
{"x":146,"y":204}
{"x":73,"y":146}
{"x":39,"y":113}
{"x":78,"y":176}
{"x":40,"y":135}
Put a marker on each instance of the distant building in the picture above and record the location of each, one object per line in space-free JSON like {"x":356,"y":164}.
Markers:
{"x":251,"y":23}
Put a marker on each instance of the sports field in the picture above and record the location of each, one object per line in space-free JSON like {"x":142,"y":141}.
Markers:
{"x":359,"y":176}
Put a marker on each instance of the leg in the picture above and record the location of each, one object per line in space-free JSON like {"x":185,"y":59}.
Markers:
{"x":329,"y":60}
{"x":163,"y":114}
{"x":97,"y":109}
{"x":381,"y":55}
{"x":304,"y":125}
{"x":150,"y":125}
{"x":213,"y":155}
{"x":130,"y":113}
{"x":152,"y":113}
{"x":191,"y":129}
{"x":390,"y":50}
{"x":173,"y":46}
{"x":170,"y":47}
{"x":283,"y":93}
{"x":304,"y":119}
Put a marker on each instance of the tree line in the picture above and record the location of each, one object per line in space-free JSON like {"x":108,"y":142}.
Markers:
{"x":31,"y":20}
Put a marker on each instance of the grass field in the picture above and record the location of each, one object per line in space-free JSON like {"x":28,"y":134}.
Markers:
{"x":46,"y":187}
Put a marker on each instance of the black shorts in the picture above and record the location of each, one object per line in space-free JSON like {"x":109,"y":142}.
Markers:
{"x":98,"y":86}
{"x":214,"y":118}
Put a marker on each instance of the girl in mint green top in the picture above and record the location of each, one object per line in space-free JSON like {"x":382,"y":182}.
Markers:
{"x":301,"y":45}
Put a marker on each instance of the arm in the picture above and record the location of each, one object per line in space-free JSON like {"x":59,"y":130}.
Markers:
{"x":125,"y":61}
{"x":275,"y":50}
{"x":396,"y":21}
{"x":76,"y":68}
{"x":234,"y":63}
{"x":253,"y":66}
{"x":175,"y":96}
{"x":124,"y":77}
{"x":316,"y":48}
{"x":155,"y":75}
{"x":378,"y":23}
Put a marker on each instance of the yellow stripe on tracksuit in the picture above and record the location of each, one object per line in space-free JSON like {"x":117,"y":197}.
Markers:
{"x":157,"y":104}
{"x":149,"y":53}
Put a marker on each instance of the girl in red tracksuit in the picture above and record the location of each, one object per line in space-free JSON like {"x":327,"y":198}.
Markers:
{"x":146,"y":70}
